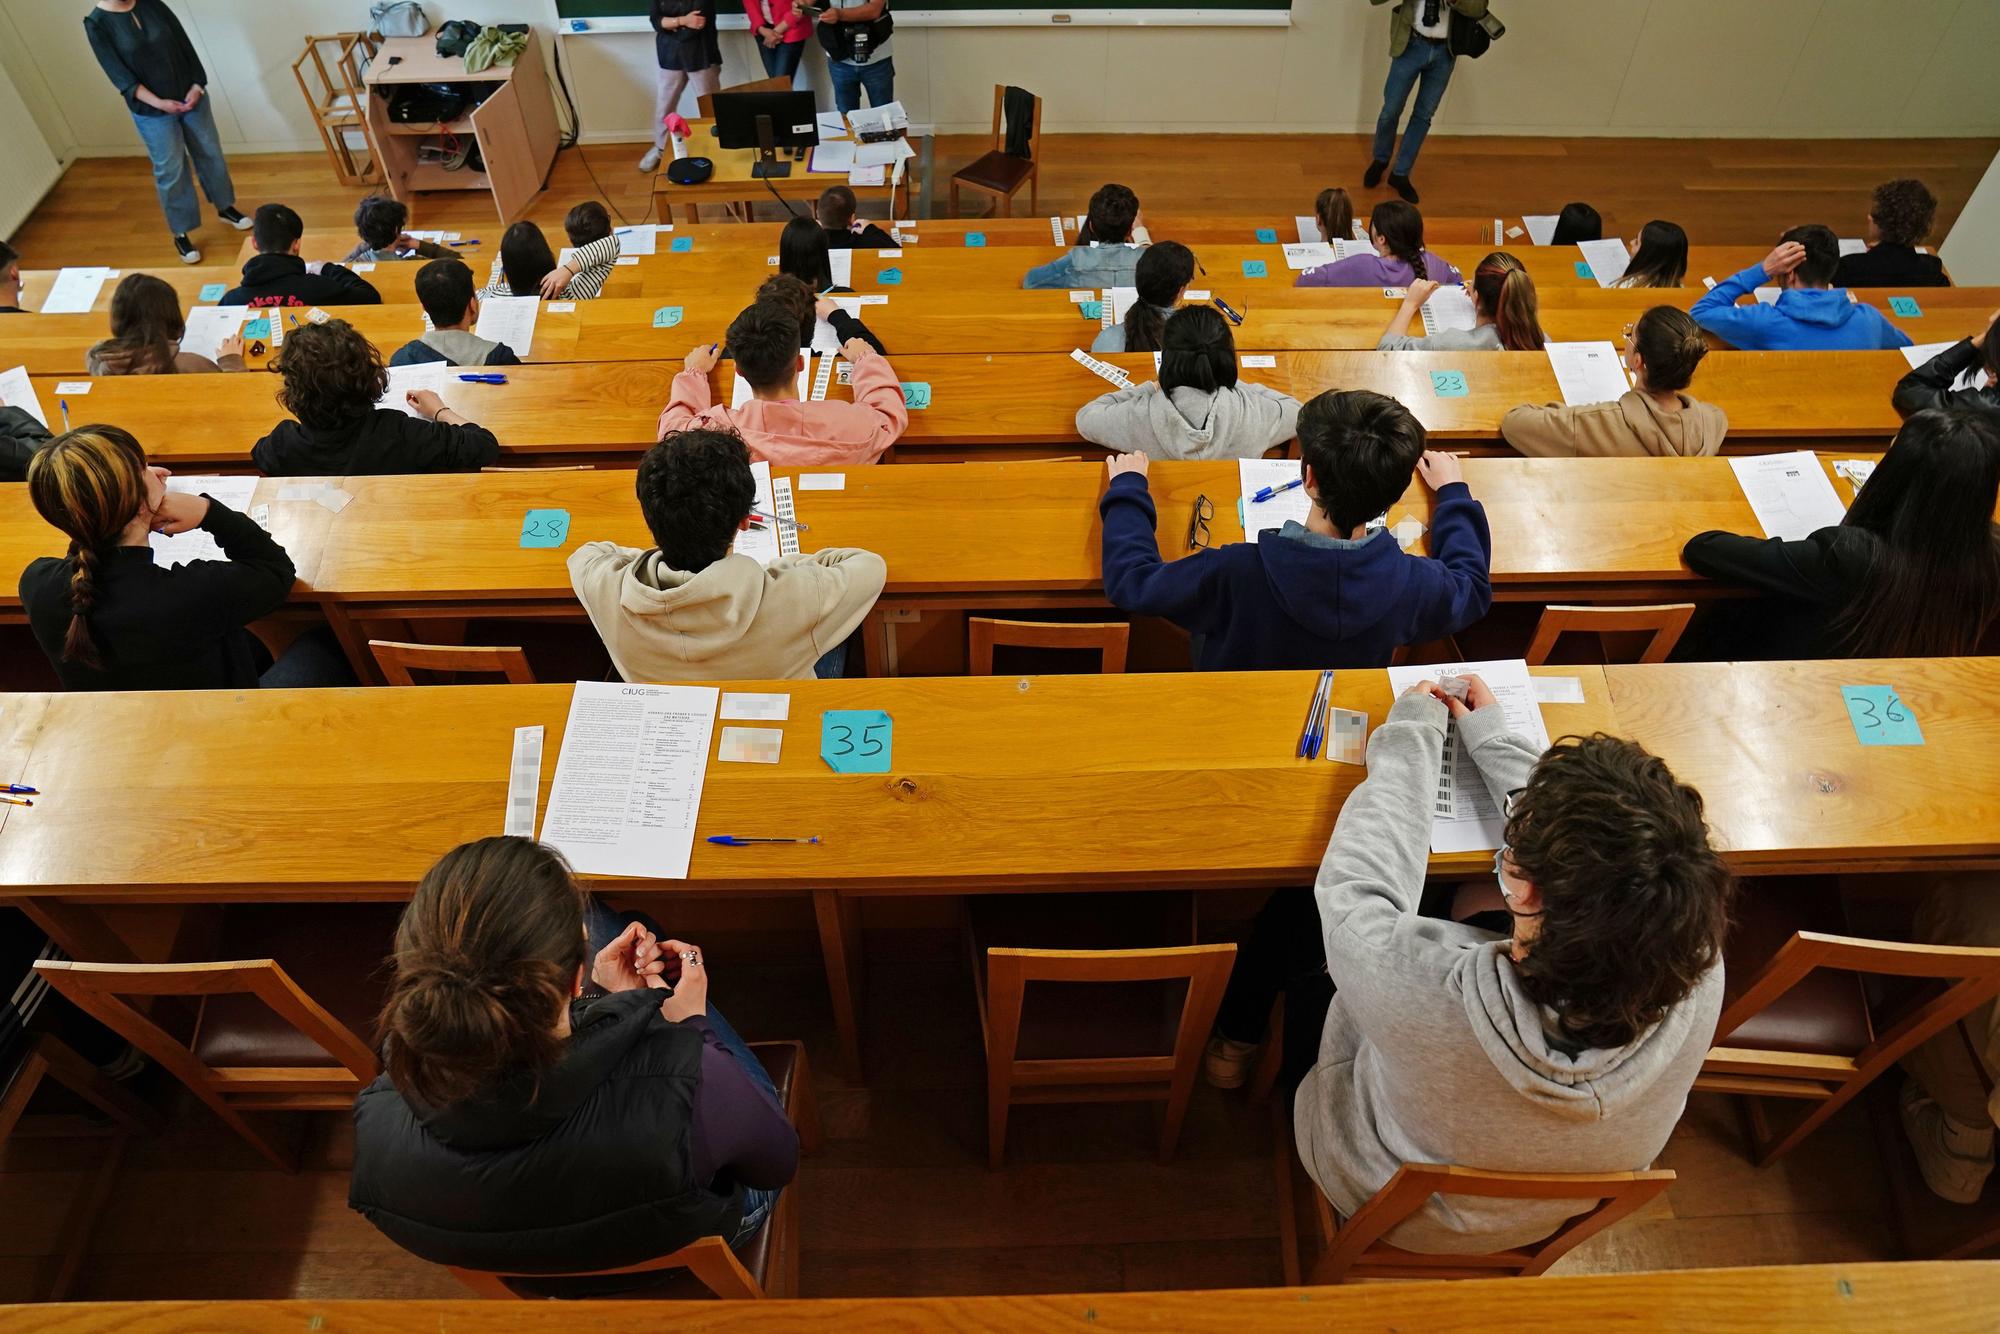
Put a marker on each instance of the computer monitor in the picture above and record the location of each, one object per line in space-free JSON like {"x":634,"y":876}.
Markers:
{"x":766,"y":122}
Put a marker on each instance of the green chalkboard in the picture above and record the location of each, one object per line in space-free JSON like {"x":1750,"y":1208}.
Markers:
{"x":601,"y":9}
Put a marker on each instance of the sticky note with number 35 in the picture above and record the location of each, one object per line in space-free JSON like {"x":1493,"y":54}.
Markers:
{"x":1880,"y":718}
{"x":856,"y":741}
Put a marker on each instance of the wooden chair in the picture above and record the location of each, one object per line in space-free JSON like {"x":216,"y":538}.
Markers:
{"x":397,"y":660}
{"x":767,"y":1265}
{"x":999,"y":173}
{"x":1796,"y":1022}
{"x":338,"y":101}
{"x":1666,"y":622}
{"x":1137,"y":1037}
{"x":777,"y":83}
{"x":259,"y":1042}
{"x":1109,"y":638}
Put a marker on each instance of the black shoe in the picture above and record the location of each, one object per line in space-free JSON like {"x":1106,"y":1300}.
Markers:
{"x":1373,"y":176}
{"x":189,"y":255}
{"x":233,"y":218}
{"x":1401,"y":185}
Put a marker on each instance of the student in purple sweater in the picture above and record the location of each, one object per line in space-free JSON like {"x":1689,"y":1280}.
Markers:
{"x":1397,"y":231}
{"x":1327,"y":592}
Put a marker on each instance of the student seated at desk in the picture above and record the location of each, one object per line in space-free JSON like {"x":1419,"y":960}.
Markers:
{"x":379,"y":220}
{"x":523,"y":263}
{"x":1567,"y":1044}
{"x":774,"y":423}
{"x":1655,"y":418}
{"x":1930,"y":385}
{"x":1197,"y":409}
{"x":1334,"y":212}
{"x":276,"y":276}
{"x":1396,"y":230}
{"x":444,"y":286}
{"x":1808,"y":316}
{"x":796,"y":297}
{"x":1659,"y":257}
{"x":1577,"y":222}
{"x":1105,"y":255}
{"x":10,"y":280}
{"x":1913,"y":571}
{"x":1164,"y":272}
{"x":333,"y":381}
{"x":146,"y":331}
{"x":1325,"y":593}
{"x":549,"y":1100}
{"x":1506,"y":314}
{"x":110,"y":618}
{"x":804,"y":253}
{"x":1899,"y":219}
{"x":844,"y":231}
{"x":22,"y":435}
{"x":694,"y":609}
{"x":594,"y":250}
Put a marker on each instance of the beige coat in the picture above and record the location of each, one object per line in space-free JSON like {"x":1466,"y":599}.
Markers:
{"x":1631,"y":427}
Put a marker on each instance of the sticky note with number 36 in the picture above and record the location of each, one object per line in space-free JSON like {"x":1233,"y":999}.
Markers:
{"x":1880,"y":718}
{"x":856,"y":741}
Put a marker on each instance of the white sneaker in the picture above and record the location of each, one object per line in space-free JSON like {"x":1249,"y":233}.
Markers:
{"x":189,"y":254}
{"x":1227,"y":1063}
{"x":651,"y":161}
{"x":1956,"y":1159}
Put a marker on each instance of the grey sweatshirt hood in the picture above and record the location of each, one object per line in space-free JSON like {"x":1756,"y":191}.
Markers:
{"x":1241,"y":422}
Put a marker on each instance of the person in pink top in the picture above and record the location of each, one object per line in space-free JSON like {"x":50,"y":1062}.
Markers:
{"x":773,"y":422}
{"x":780,"y":32}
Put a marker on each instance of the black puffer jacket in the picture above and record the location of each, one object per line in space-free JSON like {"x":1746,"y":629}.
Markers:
{"x":20,"y":436}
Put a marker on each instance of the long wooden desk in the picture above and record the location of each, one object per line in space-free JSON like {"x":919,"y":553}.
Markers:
{"x":1937,"y":1297}
{"x":732,"y":182}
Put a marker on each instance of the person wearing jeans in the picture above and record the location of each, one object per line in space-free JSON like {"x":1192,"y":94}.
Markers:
{"x":855,"y":34}
{"x":1420,"y":58}
{"x":145,"y":52}
{"x":781,"y":33}
{"x":684,"y":42}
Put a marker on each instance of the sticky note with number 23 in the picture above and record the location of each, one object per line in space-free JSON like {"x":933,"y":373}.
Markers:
{"x":1880,"y":718}
{"x":1448,"y":384}
{"x":856,"y":741}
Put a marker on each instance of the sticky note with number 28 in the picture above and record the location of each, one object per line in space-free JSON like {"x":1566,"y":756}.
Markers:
{"x":1880,"y":718}
{"x":856,"y":741}
{"x":545,"y":528}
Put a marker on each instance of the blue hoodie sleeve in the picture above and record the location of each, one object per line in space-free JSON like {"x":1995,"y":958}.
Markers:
{"x":1892,"y":336}
{"x":1187,"y":592}
{"x":1718,"y":312}
{"x":1461,"y":589}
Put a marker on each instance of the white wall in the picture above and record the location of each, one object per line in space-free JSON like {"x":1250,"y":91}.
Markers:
{"x":27,"y":165}
{"x":1972,"y":251}
{"x":1566,"y":67}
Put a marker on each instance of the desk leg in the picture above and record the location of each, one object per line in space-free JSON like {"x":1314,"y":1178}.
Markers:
{"x":78,"y":931}
{"x":354,"y":644}
{"x":840,"y":943}
{"x":878,"y":644}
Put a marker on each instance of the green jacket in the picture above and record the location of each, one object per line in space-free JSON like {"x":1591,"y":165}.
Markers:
{"x":1400,"y":25}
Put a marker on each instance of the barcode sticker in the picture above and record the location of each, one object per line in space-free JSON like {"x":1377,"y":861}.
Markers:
{"x":781,"y":505}
{"x":821,"y":378}
{"x":1101,"y":368}
{"x":1055,"y":229}
{"x":524,"y":782}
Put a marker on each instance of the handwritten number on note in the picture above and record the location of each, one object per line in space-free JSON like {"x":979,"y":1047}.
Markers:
{"x":1880,"y":717}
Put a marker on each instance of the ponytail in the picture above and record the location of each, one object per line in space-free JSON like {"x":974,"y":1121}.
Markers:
{"x":88,"y":484}
{"x":1335,"y":212}
{"x":1401,"y":228}
{"x":1163,"y":271}
{"x":1671,"y":345}
{"x":78,"y":646}
{"x":1506,"y":293}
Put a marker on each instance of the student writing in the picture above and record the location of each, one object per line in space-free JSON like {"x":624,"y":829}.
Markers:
{"x":796,"y":297}
{"x":379,"y":221}
{"x":1506,"y":314}
{"x":146,"y":332}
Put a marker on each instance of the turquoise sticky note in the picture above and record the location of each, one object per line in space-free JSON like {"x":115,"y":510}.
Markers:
{"x":545,"y":528}
{"x":1448,"y":384}
{"x":1267,"y":235}
{"x":666,"y":317}
{"x":258,"y":328}
{"x":1583,"y":270}
{"x":1880,"y":718}
{"x":682,"y":244}
{"x":975,"y":238}
{"x":1092,"y":310}
{"x":916,"y":394}
{"x":856,"y":741}
{"x":889,"y":277}
{"x":212,"y":291}
{"x":1253,"y":268}
{"x":1905,"y":306}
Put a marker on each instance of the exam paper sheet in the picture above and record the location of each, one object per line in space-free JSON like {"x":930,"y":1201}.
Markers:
{"x":510,"y":320}
{"x":1588,"y":372}
{"x":207,"y":326}
{"x":1464,"y":817}
{"x":629,"y":776}
{"x":1607,"y":258}
{"x":18,"y":391}
{"x":406,"y":380}
{"x":1449,"y":308}
{"x":1256,"y":474}
{"x":1541,"y":227}
{"x":1918,"y":354}
{"x":197,"y":544}
{"x":74,"y":291}
{"x":1789,"y":493}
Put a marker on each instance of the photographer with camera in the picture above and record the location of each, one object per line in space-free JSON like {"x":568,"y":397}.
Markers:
{"x":855,"y":34}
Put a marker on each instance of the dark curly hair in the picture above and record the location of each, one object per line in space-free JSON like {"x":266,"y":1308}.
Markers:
{"x":1114,"y":208}
{"x":380,"y":219}
{"x":586,"y":222}
{"x":330,"y":375}
{"x":695,"y":488}
{"x":1635,"y":902}
{"x":1903,"y":211}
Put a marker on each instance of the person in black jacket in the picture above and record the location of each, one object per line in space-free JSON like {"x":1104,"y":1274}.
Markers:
{"x":803,"y":254}
{"x":1912,"y":571}
{"x":110,"y":617}
{"x":333,"y":380}
{"x":1899,"y":218}
{"x":835,"y":211}
{"x":10,"y":280}
{"x":1931,"y":384}
{"x":276,"y":276}
{"x":551,"y":1100}
{"x":796,"y":297}
{"x":21,"y":435}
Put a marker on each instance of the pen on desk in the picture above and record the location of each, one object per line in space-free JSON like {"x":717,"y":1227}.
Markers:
{"x":22,"y":789}
{"x":16,"y":801}
{"x":736,"y":841}
{"x":63,"y":403}
{"x":486,"y":378}
{"x":1265,"y":493}
{"x":1312,"y":711}
{"x":1325,"y":716}
{"x":779,"y":518}
{"x":1223,"y":306}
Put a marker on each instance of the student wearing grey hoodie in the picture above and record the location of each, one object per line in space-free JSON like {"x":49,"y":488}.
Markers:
{"x":1568,"y":1045}
{"x":1196,"y":409}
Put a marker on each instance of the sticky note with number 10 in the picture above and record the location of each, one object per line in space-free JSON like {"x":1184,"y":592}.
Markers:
{"x":1880,"y":718}
{"x":856,"y":741}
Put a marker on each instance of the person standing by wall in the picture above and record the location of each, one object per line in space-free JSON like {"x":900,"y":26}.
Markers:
{"x":689,"y":56}
{"x":1419,"y":57}
{"x":149,"y":59}
{"x":855,"y":34}
{"x":781,"y":33}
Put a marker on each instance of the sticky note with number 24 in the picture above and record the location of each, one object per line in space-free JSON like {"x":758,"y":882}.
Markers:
{"x":856,"y":741}
{"x":1880,"y":718}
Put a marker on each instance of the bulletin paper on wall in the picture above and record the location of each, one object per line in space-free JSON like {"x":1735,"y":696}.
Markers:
{"x":1465,"y":817}
{"x":629,"y":776}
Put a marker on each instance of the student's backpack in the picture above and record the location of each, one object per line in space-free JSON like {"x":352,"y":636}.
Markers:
{"x":1470,"y":37}
{"x":398,"y":18}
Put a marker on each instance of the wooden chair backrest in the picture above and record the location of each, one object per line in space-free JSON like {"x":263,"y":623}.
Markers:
{"x":709,"y":1259}
{"x":397,"y":661}
{"x":1109,"y":638}
{"x":777,"y":83}
{"x":1666,"y":621}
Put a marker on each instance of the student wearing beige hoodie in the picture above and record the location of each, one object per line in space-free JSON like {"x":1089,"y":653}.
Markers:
{"x":1656,"y":418}
{"x":690,"y":608}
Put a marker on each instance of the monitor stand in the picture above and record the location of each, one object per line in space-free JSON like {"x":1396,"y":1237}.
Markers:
{"x":767,"y":164}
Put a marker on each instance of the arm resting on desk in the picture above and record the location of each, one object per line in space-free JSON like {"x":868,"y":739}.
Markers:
{"x":1187,"y":592}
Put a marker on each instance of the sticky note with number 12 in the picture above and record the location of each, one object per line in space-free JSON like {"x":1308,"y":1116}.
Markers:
{"x":1880,"y":718}
{"x":856,"y":741}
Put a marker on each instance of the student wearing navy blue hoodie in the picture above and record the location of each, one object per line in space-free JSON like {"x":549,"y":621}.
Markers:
{"x":1808,"y":316}
{"x":1325,"y":593}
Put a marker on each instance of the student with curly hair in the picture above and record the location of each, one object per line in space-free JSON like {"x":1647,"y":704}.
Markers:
{"x":332,"y":381}
{"x":379,"y":221}
{"x":1899,"y":219}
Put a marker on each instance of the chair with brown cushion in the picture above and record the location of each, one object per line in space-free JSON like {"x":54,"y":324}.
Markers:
{"x":767,"y":1265}
{"x":999,"y":173}
{"x":1796,"y":1022}
{"x":1110,"y":1000}
{"x":1665,"y":622}
{"x":258,"y":1040}
{"x":1108,"y":638}
{"x":397,"y":660}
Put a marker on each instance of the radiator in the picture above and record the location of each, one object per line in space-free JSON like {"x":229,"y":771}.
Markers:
{"x":28,"y":168}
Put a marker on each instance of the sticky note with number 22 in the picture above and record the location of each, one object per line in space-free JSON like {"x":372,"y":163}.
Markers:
{"x":1880,"y":718}
{"x":856,"y":741}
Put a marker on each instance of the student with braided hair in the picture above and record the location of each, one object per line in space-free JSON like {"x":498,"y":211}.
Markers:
{"x":1396,"y":230}
{"x":1506,"y":315}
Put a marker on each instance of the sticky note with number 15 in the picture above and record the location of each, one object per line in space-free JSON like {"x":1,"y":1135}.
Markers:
{"x":1880,"y":718}
{"x":856,"y":741}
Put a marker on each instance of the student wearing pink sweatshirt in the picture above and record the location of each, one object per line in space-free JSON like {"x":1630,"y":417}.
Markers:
{"x":773,"y":422}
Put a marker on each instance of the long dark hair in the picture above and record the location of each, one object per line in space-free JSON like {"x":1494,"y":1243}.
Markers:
{"x":802,"y":252}
{"x":1401,"y":228}
{"x":1502,"y":288}
{"x":525,"y":259}
{"x":1198,"y":351}
{"x":1934,"y":587}
{"x":88,"y":483}
{"x":146,"y":325}
{"x":1662,"y":258}
{"x":1335,"y":212}
{"x":1577,"y":222}
{"x":1164,"y":269}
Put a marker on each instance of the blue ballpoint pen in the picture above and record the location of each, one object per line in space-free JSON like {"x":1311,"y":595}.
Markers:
{"x":63,"y":403}
{"x":22,"y":789}
{"x":1325,"y":717}
{"x":1312,"y":716}
{"x":734,"y":841}
{"x":484,"y":379}
{"x":1267,"y":492}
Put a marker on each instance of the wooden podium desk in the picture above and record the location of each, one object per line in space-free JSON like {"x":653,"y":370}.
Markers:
{"x":732,"y":182}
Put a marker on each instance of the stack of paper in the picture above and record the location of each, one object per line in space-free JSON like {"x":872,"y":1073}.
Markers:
{"x":1789,"y":493}
{"x":836,"y":156}
{"x":18,"y":391}
{"x":1253,"y":475}
{"x":510,"y":320}
{"x":877,"y":121}
{"x":181,"y":548}
{"x":1607,"y":259}
{"x":1449,"y":308}
{"x":629,"y":777}
{"x":75,"y":291}
{"x":1466,"y":818}
{"x":1588,"y":372}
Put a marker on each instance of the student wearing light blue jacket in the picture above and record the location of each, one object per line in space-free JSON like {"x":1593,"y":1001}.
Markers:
{"x":1105,"y":255}
{"x":1808,"y":316}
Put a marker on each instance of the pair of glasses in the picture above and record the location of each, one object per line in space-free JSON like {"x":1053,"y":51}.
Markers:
{"x":1629,"y":328}
{"x":1198,"y":536}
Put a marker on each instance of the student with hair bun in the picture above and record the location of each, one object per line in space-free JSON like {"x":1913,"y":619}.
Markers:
{"x":1196,"y":409}
{"x":1165,"y":270}
{"x":1396,"y":230}
{"x":1655,"y":417}
{"x":1507,"y":317}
